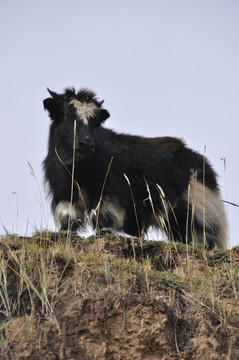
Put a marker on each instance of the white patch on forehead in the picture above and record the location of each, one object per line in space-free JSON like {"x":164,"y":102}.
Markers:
{"x":84,"y":110}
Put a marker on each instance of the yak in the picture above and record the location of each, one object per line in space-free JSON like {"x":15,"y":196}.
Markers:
{"x":127,"y":183}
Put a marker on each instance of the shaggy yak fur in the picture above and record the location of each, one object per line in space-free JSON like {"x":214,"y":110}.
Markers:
{"x":127,"y":183}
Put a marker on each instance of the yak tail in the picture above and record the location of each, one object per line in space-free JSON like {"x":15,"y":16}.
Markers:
{"x":209,"y":211}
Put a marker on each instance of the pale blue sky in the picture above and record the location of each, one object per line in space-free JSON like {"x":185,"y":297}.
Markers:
{"x":163,"y":68}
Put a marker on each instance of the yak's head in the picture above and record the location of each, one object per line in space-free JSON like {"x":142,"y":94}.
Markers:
{"x":75,"y":118}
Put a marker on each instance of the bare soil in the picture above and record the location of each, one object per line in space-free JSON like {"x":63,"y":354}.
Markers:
{"x":116,"y":298}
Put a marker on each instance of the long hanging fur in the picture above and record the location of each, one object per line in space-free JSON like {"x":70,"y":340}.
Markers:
{"x":151,"y":181}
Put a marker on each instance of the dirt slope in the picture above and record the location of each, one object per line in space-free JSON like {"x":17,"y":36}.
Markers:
{"x":63,"y":297}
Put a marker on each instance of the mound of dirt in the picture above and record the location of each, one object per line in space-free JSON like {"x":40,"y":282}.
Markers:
{"x":116,"y":298}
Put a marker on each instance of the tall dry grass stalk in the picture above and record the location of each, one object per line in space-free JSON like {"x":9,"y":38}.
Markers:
{"x":8,"y":308}
{"x":41,"y":202}
{"x":134,"y":205}
{"x":73,"y":181}
{"x":72,"y":175}
{"x":162,"y":220}
{"x":97,"y":209}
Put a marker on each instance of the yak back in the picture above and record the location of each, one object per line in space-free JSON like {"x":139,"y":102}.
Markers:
{"x":143,"y":160}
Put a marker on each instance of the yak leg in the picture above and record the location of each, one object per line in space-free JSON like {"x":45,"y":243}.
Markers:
{"x":68,"y":215}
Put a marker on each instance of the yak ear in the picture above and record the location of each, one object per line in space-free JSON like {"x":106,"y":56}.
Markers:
{"x":53,"y":105}
{"x":104,"y":115}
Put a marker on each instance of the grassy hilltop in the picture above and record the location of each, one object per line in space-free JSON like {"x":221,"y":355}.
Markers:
{"x":65,"y":297}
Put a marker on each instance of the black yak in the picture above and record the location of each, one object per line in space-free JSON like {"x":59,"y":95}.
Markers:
{"x":127,"y":183}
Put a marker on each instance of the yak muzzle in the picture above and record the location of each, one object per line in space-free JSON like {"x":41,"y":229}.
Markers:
{"x":86,"y":145}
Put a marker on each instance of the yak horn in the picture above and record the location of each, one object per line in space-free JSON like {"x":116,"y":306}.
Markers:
{"x":101,"y":102}
{"x":53,"y":94}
